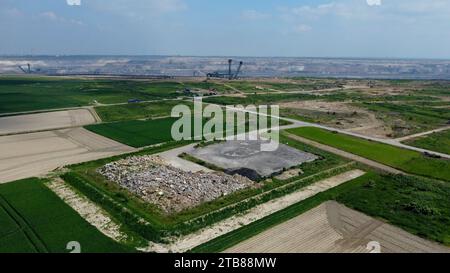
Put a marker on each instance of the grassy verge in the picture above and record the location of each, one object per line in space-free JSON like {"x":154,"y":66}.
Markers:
{"x":34,"y":219}
{"x":406,"y":160}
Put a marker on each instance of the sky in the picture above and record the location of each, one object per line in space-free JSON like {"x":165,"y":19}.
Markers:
{"x":294,"y":28}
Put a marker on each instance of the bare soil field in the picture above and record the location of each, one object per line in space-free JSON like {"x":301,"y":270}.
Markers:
{"x":334,"y":228}
{"x":45,"y":121}
{"x":342,"y":115}
{"x":36,"y":154}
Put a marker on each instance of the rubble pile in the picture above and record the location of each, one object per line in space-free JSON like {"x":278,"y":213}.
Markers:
{"x":170,"y":188}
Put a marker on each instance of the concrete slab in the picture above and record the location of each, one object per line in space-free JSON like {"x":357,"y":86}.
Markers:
{"x":233,"y":155}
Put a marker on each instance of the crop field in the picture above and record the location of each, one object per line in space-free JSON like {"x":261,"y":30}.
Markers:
{"x":34,"y":219}
{"x":27,"y":94}
{"x":136,"y":133}
{"x":258,"y":99}
{"x":439,"y":142}
{"x":85,"y":178}
{"x":133,"y":111}
{"x":406,"y":160}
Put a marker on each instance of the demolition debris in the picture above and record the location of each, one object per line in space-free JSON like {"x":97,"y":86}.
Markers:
{"x":170,"y":188}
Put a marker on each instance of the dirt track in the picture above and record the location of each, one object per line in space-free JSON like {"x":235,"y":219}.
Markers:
{"x":332,"y":227}
{"x":35,"y":154}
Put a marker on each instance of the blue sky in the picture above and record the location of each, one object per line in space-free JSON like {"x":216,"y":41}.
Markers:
{"x":304,"y":28}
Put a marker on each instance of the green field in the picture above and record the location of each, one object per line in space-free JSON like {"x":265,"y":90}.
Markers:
{"x":439,"y":142}
{"x":135,"y":111}
{"x":27,"y":94}
{"x":136,"y":133}
{"x":34,"y":219}
{"x":402,"y":159}
{"x":417,"y":205}
{"x":266,"y":99}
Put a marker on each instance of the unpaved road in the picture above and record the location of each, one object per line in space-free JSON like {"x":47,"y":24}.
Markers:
{"x":334,"y":228}
{"x":351,"y":156}
{"x":190,"y":241}
{"x":171,"y":158}
{"x":36,"y":154}
{"x":423,"y":134}
{"x":45,"y":121}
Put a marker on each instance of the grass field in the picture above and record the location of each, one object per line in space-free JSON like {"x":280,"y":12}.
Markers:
{"x":406,"y":160}
{"x":34,"y":219}
{"x":135,"y":111}
{"x":265,"y":99}
{"x":439,"y":142}
{"x":27,"y":94}
{"x":136,"y":133}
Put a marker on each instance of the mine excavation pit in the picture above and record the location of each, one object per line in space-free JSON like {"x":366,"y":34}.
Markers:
{"x":169,"y":188}
{"x":246,"y":158}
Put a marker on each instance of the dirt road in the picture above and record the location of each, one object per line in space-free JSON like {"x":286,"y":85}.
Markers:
{"x":423,"y":134}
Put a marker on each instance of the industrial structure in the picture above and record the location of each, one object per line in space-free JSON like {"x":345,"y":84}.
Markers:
{"x":227,"y":75}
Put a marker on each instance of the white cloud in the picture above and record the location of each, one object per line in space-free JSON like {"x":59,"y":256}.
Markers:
{"x":140,"y":8}
{"x":73,"y":2}
{"x":374,"y":2}
{"x":50,"y":15}
{"x":254,"y":15}
{"x":302,"y":28}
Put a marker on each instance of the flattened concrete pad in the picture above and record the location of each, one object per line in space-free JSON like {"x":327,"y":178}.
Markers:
{"x":233,"y":155}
